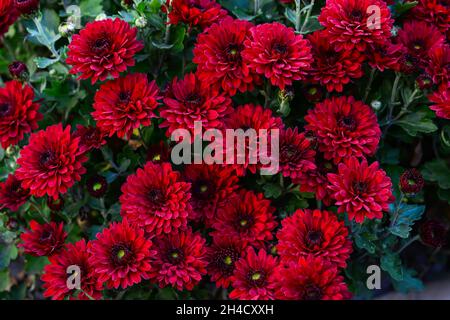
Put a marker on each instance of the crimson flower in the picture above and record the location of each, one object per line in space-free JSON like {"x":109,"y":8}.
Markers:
{"x":8,"y":15}
{"x":361,"y":190}
{"x":51,"y":163}
{"x":202,"y":13}
{"x":43,"y":239}
{"x":156,"y":199}
{"x":179,"y":260}
{"x":438,"y":64}
{"x":55,"y":274}
{"x":314,"y":232}
{"x":253,"y":277}
{"x":344,"y":127}
{"x":385,"y":56}
{"x":103,"y":48}
{"x":310,"y":278}
{"x":276,"y":52}
{"x":90,"y":137}
{"x":12,"y":195}
{"x":125,"y":104}
{"x":411,"y":181}
{"x":435,"y":12}
{"x":18,"y":113}
{"x":441,"y":101}
{"x":26,"y":6}
{"x":218,"y":55}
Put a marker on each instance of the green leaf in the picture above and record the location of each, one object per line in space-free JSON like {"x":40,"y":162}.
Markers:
{"x":409,"y":282}
{"x":91,"y":8}
{"x":272,"y":190}
{"x":407,"y":215}
{"x":392,"y":264}
{"x":34,"y":265}
{"x":403,"y":7}
{"x":437,"y":171}
{"x":365,"y":240}
{"x":417,"y":122}
{"x":5,"y":282}
{"x":8,"y":252}
{"x":42,"y":62}
{"x":312,"y":25}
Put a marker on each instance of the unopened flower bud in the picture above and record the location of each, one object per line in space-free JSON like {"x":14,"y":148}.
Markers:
{"x":411,"y":181}
{"x":141,"y":22}
{"x":376,"y":105}
{"x":18,"y":70}
{"x":100,"y":17}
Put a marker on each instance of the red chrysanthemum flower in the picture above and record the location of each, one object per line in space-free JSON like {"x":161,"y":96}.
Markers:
{"x":310,"y":278}
{"x":385,"y":56}
{"x":218,"y":54}
{"x":436,"y":12}
{"x":419,"y":38}
{"x":314,"y":232}
{"x":331,"y":68}
{"x":411,"y":181}
{"x":253,"y":278}
{"x":18,"y":113}
{"x":51,"y":163}
{"x":222,"y":256}
{"x":18,"y":70}
{"x":90,"y":138}
{"x":12,"y":195}
{"x":103,"y":48}
{"x":125,"y":104}
{"x":433,"y":233}
{"x":212,"y":186}
{"x":296,"y":154}
{"x":361,"y":190}
{"x":276,"y":52}
{"x":202,"y":13}
{"x":156,"y":199}
{"x":247,"y":216}
{"x":179,"y":260}
{"x":43,"y":239}
{"x":55,"y":274}
{"x":344,"y":127}
{"x":253,"y":117}
{"x":188,"y":100}
{"x":350,"y":24}
{"x":441,"y":101}
{"x":26,"y":6}
{"x":121,"y":255}
{"x":8,"y":15}
{"x":438,"y":66}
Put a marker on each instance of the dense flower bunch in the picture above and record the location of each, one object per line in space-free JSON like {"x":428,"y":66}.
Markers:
{"x":114,"y":151}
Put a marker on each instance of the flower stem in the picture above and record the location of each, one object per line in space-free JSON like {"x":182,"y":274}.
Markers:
{"x":407,"y":244}
{"x":308,"y":14}
{"x":369,"y":84}
{"x":256,"y":7}
{"x":297,"y":15}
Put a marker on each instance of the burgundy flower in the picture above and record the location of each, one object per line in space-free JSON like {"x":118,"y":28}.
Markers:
{"x":26,"y":6}
{"x":188,"y":100}
{"x":155,"y":198}
{"x":439,"y":64}
{"x":253,"y":278}
{"x":51,"y":163}
{"x":218,"y":55}
{"x":125,"y":104}
{"x":18,"y":113}
{"x":361,"y":190}
{"x":248,"y":216}
{"x":276,"y":52}
{"x":436,"y":12}
{"x":121,"y":255}
{"x":179,"y":260}
{"x":43,"y":239}
{"x":55,"y":274}
{"x":103,"y":48}
{"x":385,"y":56}
{"x":411,"y":181}
{"x":433,"y":233}
{"x":310,"y":278}
{"x":441,"y":101}
{"x":97,"y":186}
{"x":314,"y":232}
{"x":8,"y":15}
{"x":344,"y":127}
{"x":18,"y":70}
{"x":12,"y":195}
{"x":350,"y":24}
{"x":90,"y":138}
{"x":202,"y":13}
{"x":158,"y":152}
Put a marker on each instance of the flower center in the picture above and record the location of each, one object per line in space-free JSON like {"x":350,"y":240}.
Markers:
{"x":244,"y":221}
{"x":347,"y":122}
{"x":124,"y":97}
{"x":360,"y":187}
{"x":47,"y":159}
{"x":193,"y":99}
{"x":175,"y":256}
{"x":156,"y":197}
{"x":280,"y":48}
{"x":121,"y":254}
{"x":101,"y":45}
{"x":290,"y":153}
{"x":257,"y":278}
{"x":45,"y":236}
{"x":356,"y":14}
{"x":311,"y":292}
{"x":5,"y":109}
{"x":233,"y":52}
{"x":202,"y":189}
{"x":313,"y":238}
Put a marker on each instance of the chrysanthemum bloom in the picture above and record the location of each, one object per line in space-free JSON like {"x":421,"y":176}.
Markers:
{"x":433,"y":233}
{"x":438,"y":64}
{"x":188,"y":100}
{"x":331,"y":68}
{"x":18,"y":113}
{"x":411,"y":181}
{"x":344,"y":127}
{"x":18,"y":70}
{"x":441,"y":101}
{"x":103,"y":48}
{"x":277,"y":53}
{"x":247,"y":117}
{"x":222,"y":256}
{"x":361,"y":190}
{"x":51,"y":163}
{"x":424,"y":81}
{"x":310,"y":278}
{"x":436,"y":12}
{"x":159,"y":152}
{"x":121,"y":255}
{"x":156,"y":199}
{"x":419,"y":38}
{"x":253,"y":277}
{"x":179,"y":260}
{"x":202,"y":13}
{"x":125,"y":104}
{"x":97,"y":186}
{"x":90,"y":137}
{"x":12,"y":195}
{"x":296,"y":154}
{"x":385,"y":56}
{"x":247,"y":216}
{"x":351,"y":24}
{"x":55,"y":274}
{"x":314,"y":232}
{"x":43,"y":239}
{"x":26,"y":6}
{"x":211,"y":188}
{"x":218,"y":54}
{"x":8,"y":15}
